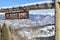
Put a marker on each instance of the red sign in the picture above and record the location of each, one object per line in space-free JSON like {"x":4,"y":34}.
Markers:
{"x":17,"y":15}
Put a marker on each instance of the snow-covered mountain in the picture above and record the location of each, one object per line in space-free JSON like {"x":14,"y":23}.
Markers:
{"x":2,"y":16}
{"x":34,"y":20}
{"x":42,"y":19}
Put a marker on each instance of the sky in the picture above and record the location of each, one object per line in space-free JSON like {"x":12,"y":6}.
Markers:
{"x":43,"y":12}
{"x":4,"y":3}
{"x":17,"y":2}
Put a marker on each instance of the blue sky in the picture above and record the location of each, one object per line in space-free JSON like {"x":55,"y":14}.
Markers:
{"x":16,"y":2}
{"x":43,"y":12}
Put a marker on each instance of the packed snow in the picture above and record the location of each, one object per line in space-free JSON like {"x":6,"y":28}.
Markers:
{"x":25,"y":23}
{"x":40,"y":32}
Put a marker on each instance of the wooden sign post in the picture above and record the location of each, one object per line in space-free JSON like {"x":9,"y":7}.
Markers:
{"x":57,"y":19}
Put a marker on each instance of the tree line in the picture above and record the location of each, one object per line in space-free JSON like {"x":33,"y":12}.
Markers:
{"x":4,"y":35}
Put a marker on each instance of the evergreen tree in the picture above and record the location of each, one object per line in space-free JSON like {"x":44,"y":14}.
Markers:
{"x":4,"y":32}
{"x":0,"y":32}
{"x":0,"y":28}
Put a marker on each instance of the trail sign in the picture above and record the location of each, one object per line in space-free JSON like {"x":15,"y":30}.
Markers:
{"x":17,"y":15}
